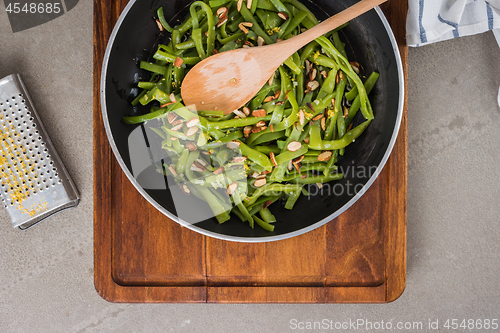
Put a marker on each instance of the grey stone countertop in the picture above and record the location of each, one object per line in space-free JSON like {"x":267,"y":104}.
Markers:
{"x":46,"y":273}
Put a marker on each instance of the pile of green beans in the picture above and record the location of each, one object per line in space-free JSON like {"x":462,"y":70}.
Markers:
{"x":292,"y":133}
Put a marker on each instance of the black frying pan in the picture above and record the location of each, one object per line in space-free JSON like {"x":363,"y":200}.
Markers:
{"x":368,"y":41}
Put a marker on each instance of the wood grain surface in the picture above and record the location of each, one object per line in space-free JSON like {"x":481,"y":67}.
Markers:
{"x":142,"y":256}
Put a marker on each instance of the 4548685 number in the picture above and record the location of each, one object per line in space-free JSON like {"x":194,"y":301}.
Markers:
{"x":34,"y":8}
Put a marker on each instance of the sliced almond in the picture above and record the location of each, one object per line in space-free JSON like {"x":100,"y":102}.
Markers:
{"x":218,"y":171}
{"x":297,"y":166}
{"x":171,"y":116}
{"x":324,"y":156}
{"x":239,"y":4}
{"x":201,"y":162}
{"x":185,"y":189}
{"x":290,"y":165}
{"x":298,"y":159}
{"x":196,"y":168}
{"x":247,"y":24}
{"x":259,"y":113}
{"x":271,"y":128}
{"x":256,"y":175}
{"x":260,"y":41}
{"x":341,"y":75}
{"x":277,"y":94}
{"x":160,"y":26}
{"x":324,"y":73}
{"x":172,"y":170}
{"x":177,"y":122}
{"x":283,"y":16}
{"x":222,"y":11}
{"x":260,"y":182}
{"x":333,"y":101}
{"x":239,"y":113}
{"x":249,"y":43}
{"x":346,"y":112}
{"x":222,"y":20}
{"x":269,"y":99}
{"x":294,"y":146}
{"x":249,"y":4}
{"x":323,"y":124}
{"x":313,"y":74}
{"x":301,"y":117}
{"x":233,"y":144}
{"x":174,"y":138}
{"x":242,"y":28}
{"x":215,"y":52}
{"x":193,"y":122}
{"x":267,"y":204}
{"x":318,"y":117}
{"x":313,"y":85}
{"x":198,"y":165}
{"x":246,"y":111}
{"x":178,"y":62}
{"x":166,"y":104}
{"x":191,"y":146}
{"x":306,"y":140}
{"x":239,"y":159}
{"x":349,"y":128}
{"x":191,"y":131}
{"x":355,"y":66}
{"x":337,"y":79}
{"x":177,"y":127}
{"x":271,"y":79}
{"x":319,"y":185}
{"x":261,"y":123}
{"x":232,"y":188}
{"x":247,"y":130}
{"x":245,"y":46}
{"x":258,"y":129}
{"x":273,"y":159}
{"x":308,"y":67}
{"x":172,"y":97}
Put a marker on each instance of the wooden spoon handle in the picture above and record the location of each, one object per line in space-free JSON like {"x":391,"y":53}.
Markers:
{"x":331,"y":23}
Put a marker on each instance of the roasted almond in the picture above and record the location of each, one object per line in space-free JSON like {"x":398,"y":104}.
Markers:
{"x":218,"y":171}
{"x":256,"y":175}
{"x":306,"y":140}
{"x":222,"y":20}
{"x":239,"y":159}
{"x":261,"y":123}
{"x":313,"y":85}
{"x":178,"y":62}
{"x":271,"y":128}
{"x":172,"y":170}
{"x":271,"y":79}
{"x":239,"y":113}
{"x":222,"y":11}
{"x":196,"y":168}
{"x":191,"y":146}
{"x":246,"y":111}
{"x":177,"y":122}
{"x":318,"y":117}
{"x":191,"y":131}
{"x":260,"y":182}
{"x":319,"y":185}
{"x":308,"y":67}
{"x":333,"y":101}
{"x":324,"y":156}
{"x":239,"y":4}
{"x":346,"y":112}
{"x":324,"y":73}
{"x":233,"y":144}
{"x":193,"y":122}
{"x":171,"y":116}
{"x":198,"y":165}
{"x":294,"y":146}
{"x":185,"y":189}
{"x":166,"y":104}
{"x":269,"y":99}
{"x":297,"y":166}
{"x":301,"y":117}
{"x":313,"y":74}
{"x":258,"y":129}
{"x":273,"y":158}
{"x":277,"y":94}
{"x":249,"y":43}
{"x":201,"y":161}
{"x":290,"y":165}
{"x":323,"y":124}
{"x":177,"y":127}
{"x":249,"y":4}
{"x":172,"y":98}
{"x":267,"y":204}
{"x":215,"y":52}
{"x":259,"y":113}
{"x":247,"y":130}
{"x":245,"y":46}
{"x":260,"y":41}
{"x":283,"y":16}
{"x":337,"y":79}
{"x":174,"y":138}
{"x":231,"y":188}
{"x":160,"y":26}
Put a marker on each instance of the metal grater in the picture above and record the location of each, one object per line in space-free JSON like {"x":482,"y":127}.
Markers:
{"x":34,"y":182}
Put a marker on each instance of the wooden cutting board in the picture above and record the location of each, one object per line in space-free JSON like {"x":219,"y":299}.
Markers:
{"x":142,"y":256}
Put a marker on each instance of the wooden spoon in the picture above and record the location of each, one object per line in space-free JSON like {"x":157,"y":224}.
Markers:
{"x":228,"y":80}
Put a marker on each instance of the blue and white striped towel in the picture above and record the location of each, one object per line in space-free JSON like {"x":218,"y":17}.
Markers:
{"x":431,"y":21}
